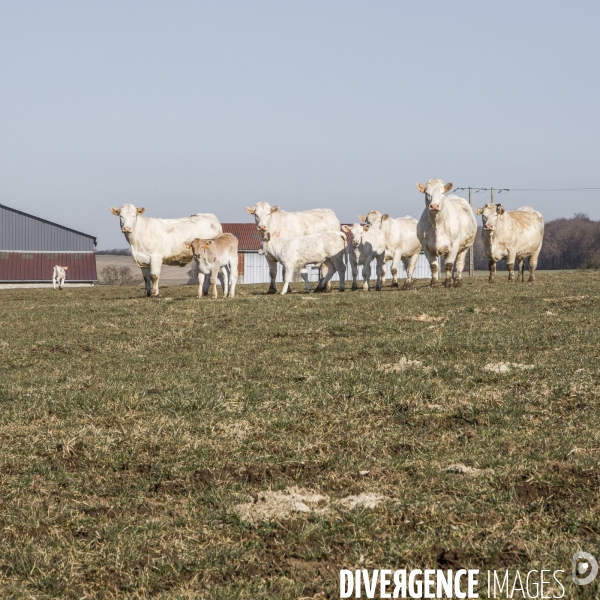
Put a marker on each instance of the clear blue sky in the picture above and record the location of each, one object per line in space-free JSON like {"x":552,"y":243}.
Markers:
{"x":195,"y":106}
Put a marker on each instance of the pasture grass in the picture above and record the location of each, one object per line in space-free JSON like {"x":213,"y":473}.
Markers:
{"x":131,"y":427}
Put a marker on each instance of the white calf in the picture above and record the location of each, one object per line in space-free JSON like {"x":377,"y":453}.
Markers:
{"x":217,"y":257}
{"x":401,"y":242}
{"x":366,"y":244}
{"x":58,"y":276}
{"x":328,"y":247}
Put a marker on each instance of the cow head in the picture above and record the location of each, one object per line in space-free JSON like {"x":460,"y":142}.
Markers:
{"x":262,"y":212}
{"x":489,"y":215}
{"x":128,"y":214}
{"x":374,"y":218}
{"x":434,"y":191}
{"x":356,"y":232}
{"x":263,"y":250}
{"x":198,"y":246}
{"x":65,"y":268}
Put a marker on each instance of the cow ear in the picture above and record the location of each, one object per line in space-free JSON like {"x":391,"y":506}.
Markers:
{"x":346,"y":228}
{"x":478,"y":211}
{"x":268,"y":236}
{"x":448,"y":187}
{"x":421,"y":188}
{"x":384,"y":217}
{"x":188,"y":245}
{"x":251,"y":210}
{"x":65,"y":268}
{"x":274,"y":209}
{"x":362,"y":217}
{"x":140,"y":210}
{"x":500,"y":209}
{"x":366,"y":227}
{"x":115,"y":211}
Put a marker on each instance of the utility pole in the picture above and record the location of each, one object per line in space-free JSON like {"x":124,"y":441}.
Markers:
{"x":492,"y":190}
{"x":471,"y":257}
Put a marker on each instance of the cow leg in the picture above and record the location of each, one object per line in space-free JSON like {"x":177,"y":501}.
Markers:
{"x":410,"y":264}
{"x":54,"y":282}
{"x":289,"y":288}
{"x":354,"y":267}
{"x":154,"y":277}
{"x":222,"y":277}
{"x":366,"y":274}
{"x":492,"y":267}
{"x":340,"y":266}
{"x":459,"y":266}
{"x":304,"y":275}
{"x":521,"y":267}
{"x":287,"y":279}
{"x":394,"y":269}
{"x":433,"y":265}
{"x":510,"y":265}
{"x":533,"y":261}
{"x":233,"y":275}
{"x":379,"y":272}
{"x":200,"y":284}
{"x":273,"y":275}
{"x":449,"y":266}
{"x":323,"y":270}
{"x":61,"y":281}
{"x":146,"y":276}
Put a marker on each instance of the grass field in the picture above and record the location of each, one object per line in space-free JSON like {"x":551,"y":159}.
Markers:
{"x":131,"y":428}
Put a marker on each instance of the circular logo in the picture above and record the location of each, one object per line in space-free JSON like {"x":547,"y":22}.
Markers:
{"x":584,"y":562}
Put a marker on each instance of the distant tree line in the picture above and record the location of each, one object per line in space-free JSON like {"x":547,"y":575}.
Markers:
{"x":568,"y":244}
{"x":116,"y":251}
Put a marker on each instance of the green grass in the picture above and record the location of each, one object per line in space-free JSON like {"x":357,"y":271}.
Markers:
{"x":131,"y":427}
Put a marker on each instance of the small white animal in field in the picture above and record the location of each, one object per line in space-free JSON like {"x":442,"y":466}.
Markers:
{"x":58,"y":276}
{"x":401,"y":242}
{"x":217,"y":257}
{"x":327,"y":247}
{"x":155,"y":242}
{"x":513,"y":234}
{"x":279,"y":223}
{"x":447,"y":228}
{"x":366,"y":244}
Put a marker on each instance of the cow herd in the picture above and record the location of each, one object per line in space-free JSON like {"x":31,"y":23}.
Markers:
{"x":447,"y":229}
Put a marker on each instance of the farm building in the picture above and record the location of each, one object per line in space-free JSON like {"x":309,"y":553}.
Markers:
{"x":30,"y":247}
{"x":253,"y":268}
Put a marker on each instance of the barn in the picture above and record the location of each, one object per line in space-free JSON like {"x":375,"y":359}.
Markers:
{"x":253,"y":267}
{"x":31,"y":246}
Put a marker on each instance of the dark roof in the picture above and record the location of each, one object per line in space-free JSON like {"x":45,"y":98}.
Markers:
{"x":248,"y":237}
{"x":20,"y":212}
{"x":37,"y":266}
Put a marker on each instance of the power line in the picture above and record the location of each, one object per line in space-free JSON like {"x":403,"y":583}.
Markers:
{"x":500,"y":190}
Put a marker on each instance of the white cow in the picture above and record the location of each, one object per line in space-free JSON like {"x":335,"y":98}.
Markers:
{"x":277,"y":222}
{"x":366,"y":244}
{"x":401,"y":242}
{"x":58,"y":276}
{"x":327,"y":247}
{"x":157,"y":241}
{"x":510,"y":235}
{"x":447,"y":228}
{"x":210,"y":256}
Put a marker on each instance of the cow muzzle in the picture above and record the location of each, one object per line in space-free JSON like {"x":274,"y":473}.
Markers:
{"x":434,"y":207}
{"x":262,"y":227}
{"x":489,"y":228}
{"x":126,"y":230}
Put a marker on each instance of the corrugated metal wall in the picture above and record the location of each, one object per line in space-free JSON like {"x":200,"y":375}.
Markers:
{"x":22,"y":267}
{"x":256,"y":270}
{"x":22,"y":232}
